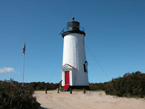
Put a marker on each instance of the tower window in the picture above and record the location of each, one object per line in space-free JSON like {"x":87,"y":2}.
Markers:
{"x":85,"y":69}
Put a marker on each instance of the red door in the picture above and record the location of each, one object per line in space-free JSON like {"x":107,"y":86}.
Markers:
{"x":66,"y":86}
{"x":67,"y":78}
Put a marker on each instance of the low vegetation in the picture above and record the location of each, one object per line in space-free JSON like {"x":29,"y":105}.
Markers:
{"x":16,"y":96}
{"x":130,"y":85}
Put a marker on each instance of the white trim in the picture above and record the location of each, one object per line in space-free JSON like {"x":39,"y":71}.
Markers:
{"x":67,"y":67}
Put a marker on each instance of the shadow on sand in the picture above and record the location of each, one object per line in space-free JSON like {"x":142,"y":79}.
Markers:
{"x":43,"y":108}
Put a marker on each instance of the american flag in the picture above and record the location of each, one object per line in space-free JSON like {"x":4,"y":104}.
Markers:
{"x":24,"y":48}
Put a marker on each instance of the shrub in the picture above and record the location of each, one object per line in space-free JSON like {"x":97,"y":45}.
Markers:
{"x":17,"y":97}
{"x":130,"y":85}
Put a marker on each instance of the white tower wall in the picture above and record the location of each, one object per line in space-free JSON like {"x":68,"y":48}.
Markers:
{"x":74,"y":55}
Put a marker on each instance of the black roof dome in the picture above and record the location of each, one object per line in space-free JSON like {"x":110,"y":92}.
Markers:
{"x":73,"y":27}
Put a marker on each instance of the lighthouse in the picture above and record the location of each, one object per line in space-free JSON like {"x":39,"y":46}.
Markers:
{"x":74,"y":66}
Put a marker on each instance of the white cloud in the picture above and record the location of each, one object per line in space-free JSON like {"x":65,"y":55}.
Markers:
{"x":6,"y":69}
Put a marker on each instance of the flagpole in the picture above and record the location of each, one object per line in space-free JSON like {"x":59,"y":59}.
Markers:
{"x":23,"y":62}
{"x":23,"y":68}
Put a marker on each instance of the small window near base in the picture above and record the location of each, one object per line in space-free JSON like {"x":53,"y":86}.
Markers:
{"x":85,"y":69}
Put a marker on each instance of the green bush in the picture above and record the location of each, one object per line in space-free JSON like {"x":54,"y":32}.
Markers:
{"x":97,"y":86}
{"x":43,"y":85}
{"x":17,"y":97}
{"x":130,"y":85}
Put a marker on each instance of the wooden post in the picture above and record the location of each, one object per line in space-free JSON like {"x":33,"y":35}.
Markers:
{"x":58,"y":88}
{"x":46,"y":89}
{"x":84,"y":90}
{"x":70,"y":90}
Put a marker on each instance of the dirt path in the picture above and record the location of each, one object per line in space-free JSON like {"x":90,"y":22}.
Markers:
{"x":90,"y":100}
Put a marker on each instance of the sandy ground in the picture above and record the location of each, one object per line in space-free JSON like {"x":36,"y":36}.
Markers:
{"x":89,"y":100}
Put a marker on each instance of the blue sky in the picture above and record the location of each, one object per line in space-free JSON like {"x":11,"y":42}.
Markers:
{"x":115,"y":35}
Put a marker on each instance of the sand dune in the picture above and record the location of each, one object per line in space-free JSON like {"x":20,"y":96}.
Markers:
{"x":90,"y":100}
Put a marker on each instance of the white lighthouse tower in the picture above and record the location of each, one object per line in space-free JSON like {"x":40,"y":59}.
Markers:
{"x":74,"y":67}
